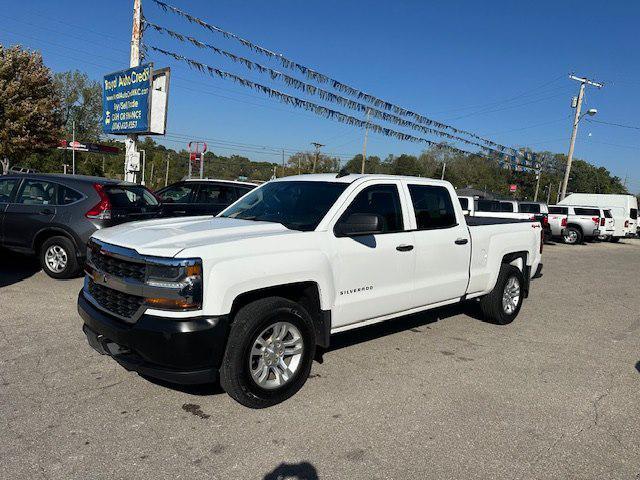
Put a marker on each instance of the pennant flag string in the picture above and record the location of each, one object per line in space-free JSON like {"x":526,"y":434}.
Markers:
{"x":305,"y":104}
{"x":312,"y":89}
{"x":321,"y":78}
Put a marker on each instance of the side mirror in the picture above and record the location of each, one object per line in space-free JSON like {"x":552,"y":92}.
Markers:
{"x":359,"y":224}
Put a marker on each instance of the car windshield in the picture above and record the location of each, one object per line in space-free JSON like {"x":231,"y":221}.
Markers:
{"x":298,"y":205}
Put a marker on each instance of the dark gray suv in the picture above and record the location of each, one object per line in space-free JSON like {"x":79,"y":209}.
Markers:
{"x":53,"y":216}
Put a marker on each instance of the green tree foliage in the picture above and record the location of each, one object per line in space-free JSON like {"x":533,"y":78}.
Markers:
{"x":81,"y":102}
{"x":29,"y":105}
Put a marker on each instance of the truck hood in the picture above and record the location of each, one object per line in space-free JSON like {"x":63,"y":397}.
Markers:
{"x":169,"y":236}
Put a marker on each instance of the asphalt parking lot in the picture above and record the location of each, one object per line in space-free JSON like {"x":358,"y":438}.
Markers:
{"x":439,"y":395}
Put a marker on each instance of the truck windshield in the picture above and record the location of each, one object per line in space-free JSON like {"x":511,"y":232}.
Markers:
{"x":298,"y":205}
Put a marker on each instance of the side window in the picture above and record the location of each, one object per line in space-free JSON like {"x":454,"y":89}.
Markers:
{"x":506,"y":207}
{"x":633,"y":213}
{"x":6,"y":189}
{"x":38,"y":192}
{"x":587,"y":212}
{"x":433,"y":207}
{"x":607,"y":214}
{"x":380,"y":200}
{"x":68,"y":195}
{"x":488,"y":206}
{"x":559,"y":210}
{"x":529,"y":207}
{"x":215,"y":194}
{"x":177,"y":194}
{"x":464,"y":203}
{"x":242,"y":191}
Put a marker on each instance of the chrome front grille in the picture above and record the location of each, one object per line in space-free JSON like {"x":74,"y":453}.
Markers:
{"x":119,"y":303}
{"x":117,"y":267}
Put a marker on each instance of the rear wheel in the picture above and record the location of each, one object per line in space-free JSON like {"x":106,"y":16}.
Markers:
{"x":572,"y":236}
{"x":503,"y":304}
{"x":58,"y":258}
{"x":269,"y":352}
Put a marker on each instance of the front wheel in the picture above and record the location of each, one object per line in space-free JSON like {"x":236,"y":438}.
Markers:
{"x":503,"y":303}
{"x":58,"y":258}
{"x":269,"y":352}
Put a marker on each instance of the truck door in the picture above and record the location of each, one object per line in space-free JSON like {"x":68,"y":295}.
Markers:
{"x":443,"y":246}
{"x":374,"y":273}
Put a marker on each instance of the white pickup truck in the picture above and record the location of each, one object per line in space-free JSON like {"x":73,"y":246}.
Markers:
{"x":247,"y":296}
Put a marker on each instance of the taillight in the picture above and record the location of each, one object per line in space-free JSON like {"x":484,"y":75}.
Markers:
{"x":602,"y":222}
{"x":626,"y":224}
{"x":101,"y":210}
{"x":596,"y":220}
{"x":563,"y":223}
{"x":545,"y":220}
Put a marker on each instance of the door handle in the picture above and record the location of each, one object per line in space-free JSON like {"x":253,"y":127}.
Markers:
{"x":404,"y":248}
{"x":462,"y":241}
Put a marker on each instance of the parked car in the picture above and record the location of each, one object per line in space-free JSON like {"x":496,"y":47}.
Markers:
{"x":583,"y":222}
{"x":539,"y":211}
{"x":53,"y":216}
{"x":607,"y":224}
{"x":201,"y":196}
{"x":558,"y":220}
{"x":524,"y":210}
{"x":249,"y":295}
{"x":624,"y":209}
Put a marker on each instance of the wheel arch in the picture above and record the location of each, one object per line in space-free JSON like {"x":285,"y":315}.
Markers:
{"x":519,"y":260}
{"x":48,"y":232}
{"x":306,"y":294}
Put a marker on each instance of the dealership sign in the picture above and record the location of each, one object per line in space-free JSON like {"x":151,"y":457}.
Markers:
{"x":126,"y":100}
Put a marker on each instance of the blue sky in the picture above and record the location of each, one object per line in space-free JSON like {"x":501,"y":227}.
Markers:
{"x":495,"y":68}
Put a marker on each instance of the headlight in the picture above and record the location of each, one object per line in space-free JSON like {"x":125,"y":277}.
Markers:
{"x":175,"y":284}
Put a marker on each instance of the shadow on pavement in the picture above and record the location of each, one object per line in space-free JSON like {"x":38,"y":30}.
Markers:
{"x":293,"y":471}
{"x":15,"y":267}
{"x":638,"y":366}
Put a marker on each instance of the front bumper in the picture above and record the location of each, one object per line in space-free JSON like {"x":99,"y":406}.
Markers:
{"x":183,"y":351}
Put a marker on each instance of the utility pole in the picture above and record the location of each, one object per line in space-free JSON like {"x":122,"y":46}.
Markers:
{"x":283,"y":167}
{"x":444,"y":167}
{"x":318,"y":146}
{"x":364,"y":144}
{"x":576,"y":119}
{"x":73,"y":149}
{"x":153,"y":164}
{"x":549,"y":193}
{"x":202,"y":166}
{"x":166,"y":175}
{"x":538,"y":175}
{"x":134,"y":61}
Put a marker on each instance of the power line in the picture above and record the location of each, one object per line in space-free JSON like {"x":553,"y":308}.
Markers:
{"x":613,"y":124}
{"x":321,"y":78}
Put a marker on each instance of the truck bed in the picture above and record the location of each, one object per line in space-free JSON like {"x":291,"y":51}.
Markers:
{"x":480,"y":221}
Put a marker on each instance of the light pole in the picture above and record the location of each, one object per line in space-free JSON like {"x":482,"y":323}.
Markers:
{"x":592,"y":111}
{"x":144,"y":164}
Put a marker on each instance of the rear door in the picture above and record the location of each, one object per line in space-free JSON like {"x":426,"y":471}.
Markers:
{"x":557,"y":216}
{"x":177,"y":199}
{"x":442,"y":244}
{"x":33,"y":209}
{"x":7,"y":191}
{"x":212,"y":198}
{"x":130,"y":203}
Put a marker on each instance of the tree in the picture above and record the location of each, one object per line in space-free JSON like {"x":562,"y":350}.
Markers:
{"x":81,"y":102}
{"x":29,"y":105}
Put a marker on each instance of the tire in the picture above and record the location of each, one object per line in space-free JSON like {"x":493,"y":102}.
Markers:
{"x":58,"y":258}
{"x":492,"y":305}
{"x":614,"y":239}
{"x":240,"y":360}
{"x":573,"y":236}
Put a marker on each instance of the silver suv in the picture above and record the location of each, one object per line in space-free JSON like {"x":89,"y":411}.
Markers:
{"x":583,"y":223}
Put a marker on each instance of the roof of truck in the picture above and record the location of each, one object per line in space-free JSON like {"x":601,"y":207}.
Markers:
{"x":352,"y":177}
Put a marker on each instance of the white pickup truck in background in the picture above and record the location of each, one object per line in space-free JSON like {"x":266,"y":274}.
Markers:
{"x":248,"y":295}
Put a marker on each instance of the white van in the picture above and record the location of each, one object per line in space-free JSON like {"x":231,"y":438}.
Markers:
{"x":624,"y":209}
